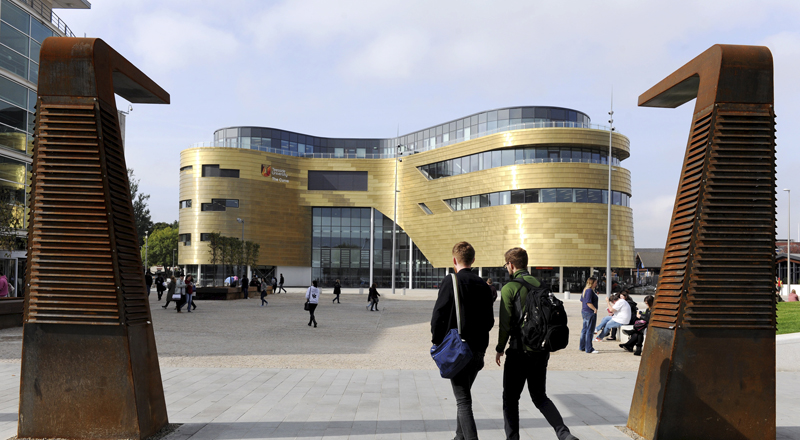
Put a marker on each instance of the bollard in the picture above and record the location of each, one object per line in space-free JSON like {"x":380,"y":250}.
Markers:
{"x":566,"y":295}
{"x":360,"y":290}
{"x":404,"y":291}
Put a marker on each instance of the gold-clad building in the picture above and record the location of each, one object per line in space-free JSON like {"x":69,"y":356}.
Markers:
{"x":322,"y":208}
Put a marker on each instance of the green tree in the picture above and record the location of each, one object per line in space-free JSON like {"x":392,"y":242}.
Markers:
{"x":251,"y":251}
{"x":160,"y":246}
{"x":141,"y":213}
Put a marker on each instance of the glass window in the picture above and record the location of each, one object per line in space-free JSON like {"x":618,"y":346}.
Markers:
{"x":518,"y":196}
{"x":553,"y":154}
{"x":541,"y":154}
{"x":605,"y":196}
{"x":604,"y":158}
{"x":564,"y":195}
{"x":459,"y":205}
{"x":581,"y":196}
{"x":456,"y":166}
{"x":13,"y":92}
{"x":492,"y":116}
{"x":14,"y":39}
{"x":484,"y":200}
{"x":587,"y":156}
{"x":531,"y":196}
{"x":497,"y":159}
{"x":519,"y":156}
{"x":595,"y":157}
{"x":31,"y":101}
{"x":15,"y":16}
{"x":476,"y":202}
{"x":467,"y":133}
{"x":491,"y":126}
{"x":33,"y":73}
{"x":595,"y":196}
{"x":548,"y":195}
{"x":530,"y":154}
{"x":185,"y":204}
{"x":617,"y":198}
{"x":508,"y":157}
{"x":502,"y":114}
{"x":39,"y":31}
{"x":13,"y":62}
{"x":481,"y":128}
{"x":486,"y":160}
{"x":475,"y":162}
{"x":448,"y":168}
{"x":13,"y":116}
{"x":505,"y":197}
{"x":494,"y":199}
{"x":566,"y":155}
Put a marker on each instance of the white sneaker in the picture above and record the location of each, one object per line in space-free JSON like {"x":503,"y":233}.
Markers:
{"x":594,"y":352}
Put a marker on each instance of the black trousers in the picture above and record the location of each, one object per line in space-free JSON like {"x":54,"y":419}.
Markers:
{"x":530,"y":367}
{"x":311,"y":317}
{"x":336,"y":299}
{"x":462,"y":390}
{"x":636,"y":340}
{"x":244,"y":291}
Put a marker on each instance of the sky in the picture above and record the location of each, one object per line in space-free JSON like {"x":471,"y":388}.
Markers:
{"x":361,"y":68}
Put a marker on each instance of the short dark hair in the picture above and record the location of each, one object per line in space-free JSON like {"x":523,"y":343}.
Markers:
{"x":314,"y":283}
{"x":518,"y":257}
{"x":649,"y":300}
{"x":464,"y":253}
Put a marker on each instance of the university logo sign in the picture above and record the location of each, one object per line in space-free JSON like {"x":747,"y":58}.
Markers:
{"x":275,"y":174}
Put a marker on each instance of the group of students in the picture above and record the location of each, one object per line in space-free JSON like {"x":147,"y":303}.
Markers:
{"x":622,"y":310}
{"x":522,"y":365}
{"x":179,"y":290}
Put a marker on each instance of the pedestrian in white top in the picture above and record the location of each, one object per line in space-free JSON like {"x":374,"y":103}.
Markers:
{"x":180,"y":288}
{"x":622,"y":316}
{"x":312,"y":299}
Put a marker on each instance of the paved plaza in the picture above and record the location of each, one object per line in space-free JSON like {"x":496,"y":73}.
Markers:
{"x":235,"y":370}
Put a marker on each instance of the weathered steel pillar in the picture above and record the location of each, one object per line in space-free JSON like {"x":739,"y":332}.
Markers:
{"x":89,"y":362}
{"x":708,"y":367}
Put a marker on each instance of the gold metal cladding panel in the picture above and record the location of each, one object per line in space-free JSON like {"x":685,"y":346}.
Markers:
{"x":278,"y":214}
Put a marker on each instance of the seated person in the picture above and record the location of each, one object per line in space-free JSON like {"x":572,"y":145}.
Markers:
{"x":792,"y":296}
{"x":637,"y":336}
{"x":634,"y":310}
{"x":622,"y":316}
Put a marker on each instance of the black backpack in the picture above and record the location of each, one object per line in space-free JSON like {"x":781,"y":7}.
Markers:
{"x":543,"y":325}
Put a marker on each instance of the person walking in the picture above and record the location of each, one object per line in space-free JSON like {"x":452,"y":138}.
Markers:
{"x":148,"y":281}
{"x":180,"y":289}
{"x":312,"y":298}
{"x":263,"y":285}
{"x":372,"y":298}
{"x":589,"y":314}
{"x":494,"y":289}
{"x":190,"y":291}
{"x":170,"y":292}
{"x":523,"y":364}
{"x":337,"y":290}
{"x":245,"y":286}
{"x":475,"y":298}
{"x":274,"y":285}
{"x":3,"y":284}
{"x":281,"y":286}
{"x":160,"y":286}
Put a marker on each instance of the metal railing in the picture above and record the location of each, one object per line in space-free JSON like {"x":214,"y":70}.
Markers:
{"x":46,"y":12}
{"x":418,"y":146}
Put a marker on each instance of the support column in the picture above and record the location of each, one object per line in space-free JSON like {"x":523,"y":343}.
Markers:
{"x":199,"y":275}
{"x":480,"y":271}
{"x":410,"y":263}
{"x":560,"y":279}
{"x":371,"y":244}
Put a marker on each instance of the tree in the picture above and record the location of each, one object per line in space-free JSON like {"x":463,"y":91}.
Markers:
{"x":251,"y":251}
{"x":160,"y":246}
{"x":141,"y":213}
{"x":11,"y":212}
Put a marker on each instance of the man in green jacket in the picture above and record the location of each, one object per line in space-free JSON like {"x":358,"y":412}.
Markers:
{"x":522,"y":364}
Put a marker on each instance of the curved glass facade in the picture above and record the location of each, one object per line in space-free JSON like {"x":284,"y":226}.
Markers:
{"x":486,"y":123}
{"x":515,"y":156}
{"x":544,"y":195}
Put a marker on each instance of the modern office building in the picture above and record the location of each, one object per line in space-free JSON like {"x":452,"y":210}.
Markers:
{"x":322,"y":208}
{"x":24,"y":24}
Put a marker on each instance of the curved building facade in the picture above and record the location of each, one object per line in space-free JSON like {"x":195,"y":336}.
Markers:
{"x":322,"y":208}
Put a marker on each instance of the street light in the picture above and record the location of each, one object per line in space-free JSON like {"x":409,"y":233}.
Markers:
{"x":789,"y":242}
{"x":608,"y":224}
{"x":242,"y":222}
{"x":145,"y":251}
{"x":394,"y":217}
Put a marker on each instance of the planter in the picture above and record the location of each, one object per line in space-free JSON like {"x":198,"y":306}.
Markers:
{"x":11,"y":312}
{"x":218,"y":293}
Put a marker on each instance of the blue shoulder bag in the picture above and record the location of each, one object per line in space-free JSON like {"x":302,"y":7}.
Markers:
{"x":453,"y":354}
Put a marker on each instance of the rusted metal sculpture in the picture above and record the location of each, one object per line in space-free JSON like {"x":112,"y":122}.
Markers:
{"x":89,"y":362}
{"x":708,"y":367}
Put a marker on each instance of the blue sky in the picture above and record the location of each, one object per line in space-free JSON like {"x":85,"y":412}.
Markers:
{"x":361,"y":68}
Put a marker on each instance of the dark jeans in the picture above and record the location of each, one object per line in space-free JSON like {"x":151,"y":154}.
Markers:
{"x":311,"y":318}
{"x":462,"y":390}
{"x":244,"y":291}
{"x":636,"y":340}
{"x":281,"y":288}
{"x":528,"y":367}
{"x":587,"y":331}
{"x":336,"y":299}
{"x":181,"y":302}
{"x":263,"y":295}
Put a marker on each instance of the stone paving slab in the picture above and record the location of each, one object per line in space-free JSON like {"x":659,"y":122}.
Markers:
{"x":219,"y":403}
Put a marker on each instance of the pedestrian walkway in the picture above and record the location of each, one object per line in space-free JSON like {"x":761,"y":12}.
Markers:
{"x":220,"y":403}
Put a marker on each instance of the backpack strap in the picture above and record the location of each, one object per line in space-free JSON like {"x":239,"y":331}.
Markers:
{"x":516,"y":328}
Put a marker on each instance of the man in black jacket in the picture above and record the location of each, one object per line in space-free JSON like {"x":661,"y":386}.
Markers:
{"x":477,"y":319}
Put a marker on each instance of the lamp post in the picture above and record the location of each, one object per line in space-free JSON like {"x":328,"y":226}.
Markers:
{"x":146,"y":268}
{"x":608,"y":224}
{"x":394,"y":217}
{"x":242,"y":222}
{"x":789,"y":242}
{"x":173,"y":261}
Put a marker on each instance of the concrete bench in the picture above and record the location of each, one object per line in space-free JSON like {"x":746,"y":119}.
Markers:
{"x":623,"y":338}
